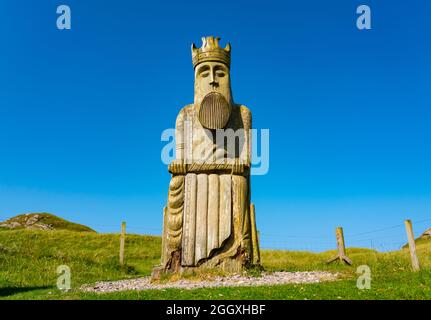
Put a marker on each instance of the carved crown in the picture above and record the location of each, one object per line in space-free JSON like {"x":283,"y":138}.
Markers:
{"x":210,"y":51}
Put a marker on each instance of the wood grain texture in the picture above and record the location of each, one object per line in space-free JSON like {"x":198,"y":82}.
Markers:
{"x":122,"y":242}
{"x":412,"y":245}
{"x":240,"y":209}
{"x":213,"y":212}
{"x":254,"y":236}
{"x":189,"y":228}
{"x":225,"y":214}
{"x":201,"y":217}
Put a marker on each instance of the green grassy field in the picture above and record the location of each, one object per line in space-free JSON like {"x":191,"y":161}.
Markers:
{"x":29,"y":260}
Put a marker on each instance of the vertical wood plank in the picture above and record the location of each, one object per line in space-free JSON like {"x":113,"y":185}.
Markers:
{"x":225,"y":215}
{"x":254,"y":236}
{"x":164,"y":235}
{"x":189,"y":232}
{"x":239,"y":210}
{"x":201,"y":217}
{"x":213,"y":211}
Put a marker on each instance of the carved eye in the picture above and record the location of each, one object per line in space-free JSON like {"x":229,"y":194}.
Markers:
{"x":220,"y":73}
{"x":204,"y":71}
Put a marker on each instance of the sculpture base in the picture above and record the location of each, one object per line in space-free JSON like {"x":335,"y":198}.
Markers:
{"x":233,"y":265}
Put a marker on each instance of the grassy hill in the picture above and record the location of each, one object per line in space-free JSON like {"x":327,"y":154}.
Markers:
{"x":42,"y":221}
{"x":29,"y":259}
{"x":423,"y":239}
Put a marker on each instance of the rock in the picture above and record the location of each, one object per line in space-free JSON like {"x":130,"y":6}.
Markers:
{"x":426,"y":234}
{"x":275,"y":278}
{"x":42,"y":221}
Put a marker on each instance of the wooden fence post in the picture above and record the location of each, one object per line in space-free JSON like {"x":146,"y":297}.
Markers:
{"x":122,"y":242}
{"x":341,"y":255}
{"x":412,"y":245}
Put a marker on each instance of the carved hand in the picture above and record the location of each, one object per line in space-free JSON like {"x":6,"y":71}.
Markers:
{"x":177,"y":167}
{"x":237,"y":167}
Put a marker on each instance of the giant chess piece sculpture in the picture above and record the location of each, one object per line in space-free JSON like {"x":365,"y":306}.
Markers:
{"x":209,"y":221}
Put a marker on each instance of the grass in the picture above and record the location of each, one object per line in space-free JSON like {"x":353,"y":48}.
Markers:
{"x":29,"y":260}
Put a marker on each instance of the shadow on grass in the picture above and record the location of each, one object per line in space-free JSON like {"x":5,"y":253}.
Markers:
{"x":9,"y":291}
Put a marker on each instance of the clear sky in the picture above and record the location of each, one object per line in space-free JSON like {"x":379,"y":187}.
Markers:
{"x":349,"y":112}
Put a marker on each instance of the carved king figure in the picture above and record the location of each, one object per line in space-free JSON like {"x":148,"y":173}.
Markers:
{"x":209,"y":221}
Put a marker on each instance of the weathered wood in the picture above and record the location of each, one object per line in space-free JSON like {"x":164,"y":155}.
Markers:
{"x":201,"y":217}
{"x":209,"y":222}
{"x":213,"y":211}
{"x":189,"y":231}
{"x":341,"y":255}
{"x":174,"y":217}
{"x":340,"y":242}
{"x":412,"y":245}
{"x":122,"y":242}
{"x":239,"y":194}
{"x":164,"y":235}
{"x":254,"y":236}
{"x":225,"y":222}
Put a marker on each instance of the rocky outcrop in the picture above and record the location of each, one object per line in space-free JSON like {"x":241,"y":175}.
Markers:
{"x":42,"y":221}
{"x":28,"y":222}
{"x":426,"y":234}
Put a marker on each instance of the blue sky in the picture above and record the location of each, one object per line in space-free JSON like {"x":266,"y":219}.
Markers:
{"x":349,"y":112}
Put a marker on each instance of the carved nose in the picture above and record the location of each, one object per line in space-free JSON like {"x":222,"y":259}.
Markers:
{"x":213,"y":81}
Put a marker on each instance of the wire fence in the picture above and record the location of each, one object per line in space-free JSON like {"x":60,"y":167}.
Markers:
{"x":375,"y":239}
{"x":372,"y":239}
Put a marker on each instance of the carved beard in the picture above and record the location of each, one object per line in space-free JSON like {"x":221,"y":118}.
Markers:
{"x":214,"y":111}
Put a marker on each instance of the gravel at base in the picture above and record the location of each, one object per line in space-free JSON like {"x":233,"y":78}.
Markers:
{"x":266,"y":279}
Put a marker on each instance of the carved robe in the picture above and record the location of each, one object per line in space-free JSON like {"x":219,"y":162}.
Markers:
{"x":207,"y":219}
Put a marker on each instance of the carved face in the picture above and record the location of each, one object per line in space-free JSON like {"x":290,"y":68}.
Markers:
{"x":213,"y":94}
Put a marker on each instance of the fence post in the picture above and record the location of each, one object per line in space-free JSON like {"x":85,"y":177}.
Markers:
{"x":341,"y":255}
{"x":412,"y":245}
{"x":122,"y":242}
